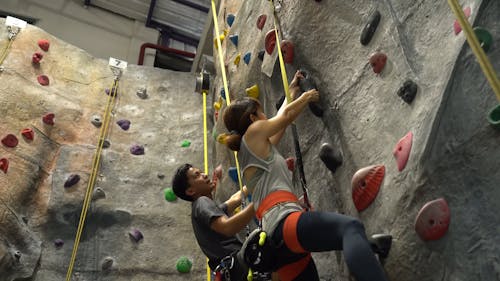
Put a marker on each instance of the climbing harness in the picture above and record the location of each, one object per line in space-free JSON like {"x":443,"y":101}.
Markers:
{"x":117,"y":67}
{"x":224,"y":267}
{"x":474,"y":44}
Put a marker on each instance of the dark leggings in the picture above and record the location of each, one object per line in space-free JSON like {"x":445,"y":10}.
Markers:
{"x":327,"y":231}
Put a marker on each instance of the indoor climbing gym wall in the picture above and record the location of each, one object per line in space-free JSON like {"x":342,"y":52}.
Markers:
{"x":57,"y":102}
{"x":405,"y":136}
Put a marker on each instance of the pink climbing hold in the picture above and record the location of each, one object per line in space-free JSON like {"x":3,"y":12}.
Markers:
{"x":402,"y":150}
{"x":43,"y":80}
{"x":287,"y":51}
{"x":378,"y":61}
{"x":290,"y":163}
{"x":10,"y":140}
{"x":48,"y":118}
{"x":44,"y":44}
{"x":28,"y":133}
{"x":270,"y":41}
{"x":456,"y":25}
{"x":4,"y":165}
{"x":365,"y":184}
{"x":433,"y":220}
{"x":261,"y":21}
{"x":36,"y":58}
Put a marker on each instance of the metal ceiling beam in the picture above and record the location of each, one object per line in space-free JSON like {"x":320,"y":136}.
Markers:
{"x":193,"y":5}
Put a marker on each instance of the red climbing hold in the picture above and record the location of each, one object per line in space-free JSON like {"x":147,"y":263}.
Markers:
{"x":456,"y":24}
{"x":36,"y":58}
{"x":261,"y":21}
{"x":378,"y":61}
{"x":270,"y":41}
{"x":433,"y":220}
{"x":290,"y":162}
{"x":287,"y":51}
{"x":43,"y":80}
{"x":44,"y":44}
{"x":4,"y":165}
{"x":10,"y":140}
{"x":28,"y":133}
{"x":366,"y":184}
{"x":48,"y":118}
{"x":402,"y":150}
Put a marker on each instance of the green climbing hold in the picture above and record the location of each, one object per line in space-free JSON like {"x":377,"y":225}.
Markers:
{"x":185,"y":143}
{"x":184,"y":265}
{"x":484,"y":37}
{"x":494,"y":117}
{"x":169,"y":194}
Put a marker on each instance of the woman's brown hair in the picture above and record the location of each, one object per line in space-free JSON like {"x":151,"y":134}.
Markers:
{"x":237,"y":120}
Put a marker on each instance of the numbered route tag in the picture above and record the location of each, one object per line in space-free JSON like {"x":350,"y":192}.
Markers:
{"x":117,"y":63}
{"x":12,"y":21}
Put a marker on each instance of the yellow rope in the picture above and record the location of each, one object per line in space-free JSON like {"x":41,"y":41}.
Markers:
{"x":284,"y":77}
{"x":5,"y":51}
{"x":95,"y":168}
{"x":483,"y":60}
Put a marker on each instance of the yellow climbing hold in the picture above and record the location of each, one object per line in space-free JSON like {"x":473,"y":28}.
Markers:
{"x":217,"y":105}
{"x":253,"y":91}
{"x":237,"y":59}
{"x":222,"y":36}
{"x":221,"y":138}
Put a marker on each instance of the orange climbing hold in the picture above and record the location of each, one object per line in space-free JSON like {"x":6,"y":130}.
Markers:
{"x":366,"y":184}
{"x":48,"y":118}
{"x":4,"y":165}
{"x":270,"y":41}
{"x":44,"y":44}
{"x":433,"y":220}
{"x":10,"y":140}
{"x":28,"y":133}
{"x":287,"y":51}
{"x":261,"y":21}
{"x":456,"y":24}
{"x":402,"y":150}
{"x":378,"y":61}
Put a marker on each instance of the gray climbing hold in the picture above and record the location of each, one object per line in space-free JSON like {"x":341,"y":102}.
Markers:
{"x":142,"y":93}
{"x":105,"y":143}
{"x":98,"y":193}
{"x":107,"y":263}
{"x":135,"y":234}
{"x":137,"y":149}
{"x":124,"y":124}
{"x":58,"y":243}
{"x":161,"y":176}
{"x":17,"y":255}
{"x":96,"y":120}
{"x":72,"y":180}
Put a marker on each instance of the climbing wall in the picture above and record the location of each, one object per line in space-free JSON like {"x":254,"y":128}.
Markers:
{"x":53,"y":98}
{"x":406,"y":95}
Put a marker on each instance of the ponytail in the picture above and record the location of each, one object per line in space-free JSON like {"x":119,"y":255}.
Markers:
{"x":237,"y":120}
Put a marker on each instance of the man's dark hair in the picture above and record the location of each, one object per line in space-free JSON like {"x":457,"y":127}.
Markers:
{"x":180,"y":182}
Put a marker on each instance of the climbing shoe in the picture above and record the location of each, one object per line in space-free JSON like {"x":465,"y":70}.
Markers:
{"x":381,"y":244}
{"x":330,"y":157}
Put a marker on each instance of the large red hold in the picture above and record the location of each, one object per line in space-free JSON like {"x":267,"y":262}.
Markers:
{"x":433,"y":220}
{"x":261,"y":21}
{"x":10,"y":140}
{"x":378,"y":61}
{"x":48,"y":118}
{"x":402,"y":150}
{"x":28,"y":133}
{"x":44,"y":44}
{"x":287,"y":51}
{"x":4,"y":165}
{"x":270,"y":41}
{"x":366,"y":183}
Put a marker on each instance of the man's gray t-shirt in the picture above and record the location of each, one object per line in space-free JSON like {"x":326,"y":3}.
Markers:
{"x":213,"y":244}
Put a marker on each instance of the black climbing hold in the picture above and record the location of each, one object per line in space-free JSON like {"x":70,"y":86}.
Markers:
{"x":261,"y":54}
{"x":330,"y":157}
{"x":124,"y":124}
{"x":107,"y":263}
{"x":17,"y":255}
{"x":381,"y":244}
{"x":105,"y":143}
{"x":58,"y":243}
{"x":96,"y":121}
{"x":408,"y":91}
{"x":370,"y":28}
{"x":280,"y":102}
{"x":137,"y":149}
{"x":306,"y":84}
{"x":135,"y":234}
{"x":72,"y":180}
{"x":161,"y":176}
{"x":142,"y":93}
{"x":98,"y":193}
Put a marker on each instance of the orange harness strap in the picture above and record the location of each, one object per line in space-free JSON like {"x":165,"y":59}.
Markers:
{"x":292,"y":270}
{"x":274,"y":198}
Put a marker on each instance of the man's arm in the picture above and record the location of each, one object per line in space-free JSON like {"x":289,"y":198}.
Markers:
{"x":235,"y":200}
{"x":229,"y":226}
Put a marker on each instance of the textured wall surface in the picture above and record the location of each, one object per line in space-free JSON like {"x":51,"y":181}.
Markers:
{"x":36,"y":208}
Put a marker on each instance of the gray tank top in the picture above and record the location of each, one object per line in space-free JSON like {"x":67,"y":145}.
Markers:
{"x":275,"y":176}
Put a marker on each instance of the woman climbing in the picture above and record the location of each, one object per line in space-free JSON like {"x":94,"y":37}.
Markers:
{"x":294,"y":232}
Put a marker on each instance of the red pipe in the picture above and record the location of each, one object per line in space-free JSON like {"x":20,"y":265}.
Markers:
{"x":163,"y":49}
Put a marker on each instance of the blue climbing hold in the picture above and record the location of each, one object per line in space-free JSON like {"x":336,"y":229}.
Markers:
{"x":223,"y":93}
{"x":247,"y":57}
{"x":230,"y":19}
{"x":234,"y":39}
{"x":233,"y":174}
